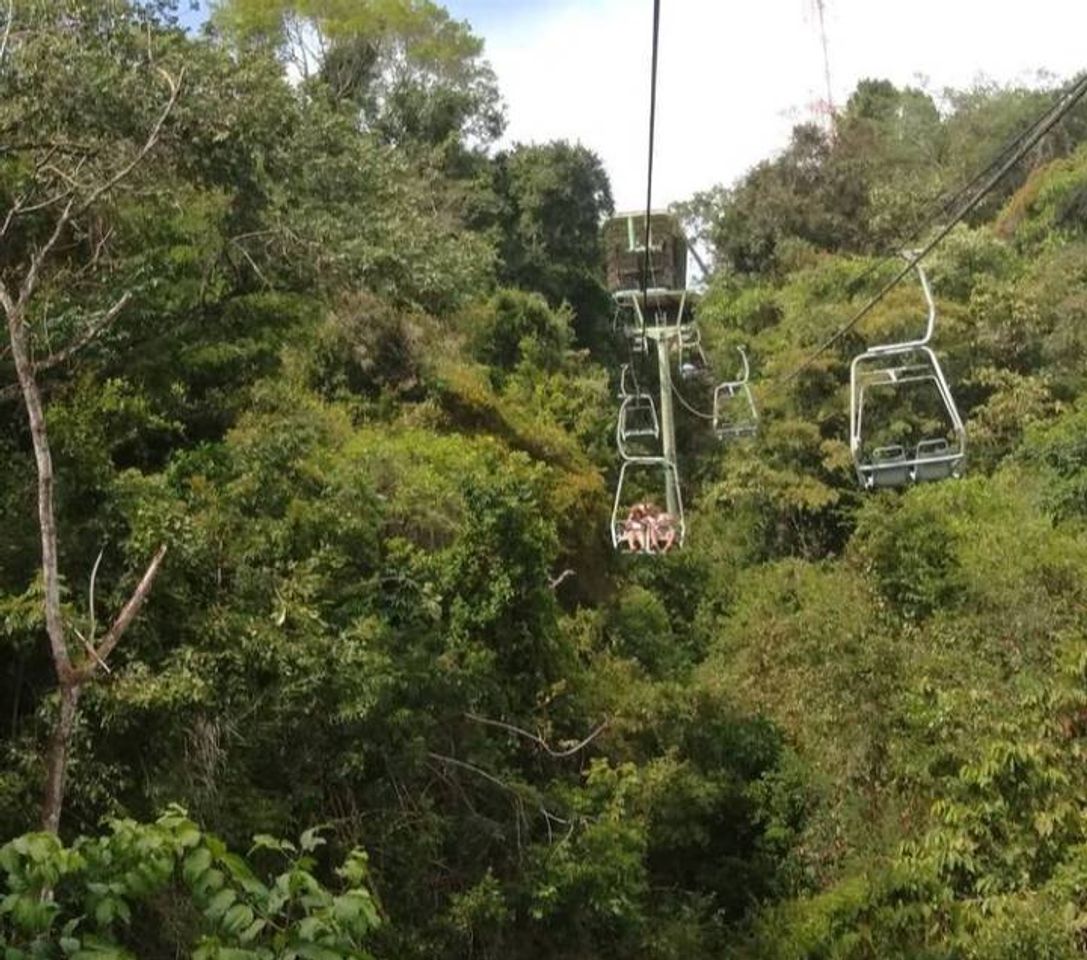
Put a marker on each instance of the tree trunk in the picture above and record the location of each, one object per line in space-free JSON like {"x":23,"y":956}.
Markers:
{"x":67,"y":679}
{"x":56,"y":761}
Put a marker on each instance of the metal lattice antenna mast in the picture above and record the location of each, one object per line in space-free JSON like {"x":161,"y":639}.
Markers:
{"x":819,"y":7}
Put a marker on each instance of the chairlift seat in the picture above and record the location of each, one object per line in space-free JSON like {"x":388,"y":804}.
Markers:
{"x":888,"y":468}
{"x":734,"y":413}
{"x":935,"y":460}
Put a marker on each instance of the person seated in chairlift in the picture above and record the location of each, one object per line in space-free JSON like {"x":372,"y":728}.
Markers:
{"x":662,"y":530}
{"x":635,"y":528}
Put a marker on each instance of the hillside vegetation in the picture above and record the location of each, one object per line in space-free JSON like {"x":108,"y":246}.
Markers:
{"x":294,"y":316}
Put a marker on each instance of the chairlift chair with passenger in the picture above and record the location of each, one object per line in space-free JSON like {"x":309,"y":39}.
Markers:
{"x":624,"y":501}
{"x":734,"y":412}
{"x":895,"y":366}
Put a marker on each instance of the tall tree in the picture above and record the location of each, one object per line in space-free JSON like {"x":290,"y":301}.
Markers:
{"x":551,"y":201}
{"x":416,"y":75}
{"x":60,"y":187}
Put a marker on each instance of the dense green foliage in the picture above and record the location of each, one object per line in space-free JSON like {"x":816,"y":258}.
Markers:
{"x":362,"y":389}
{"x":157,"y":887}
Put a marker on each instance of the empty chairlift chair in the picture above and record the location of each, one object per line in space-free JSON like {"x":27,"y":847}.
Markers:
{"x":692,"y":358}
{"x":896,"y":366}
{"x":734,"y":413}
{"x":637,"y":419}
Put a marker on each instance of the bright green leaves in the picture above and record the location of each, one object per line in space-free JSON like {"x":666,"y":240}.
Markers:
{"x":104,"y":890}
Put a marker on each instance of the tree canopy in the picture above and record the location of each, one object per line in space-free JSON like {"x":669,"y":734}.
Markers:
{"x":303,"y":361}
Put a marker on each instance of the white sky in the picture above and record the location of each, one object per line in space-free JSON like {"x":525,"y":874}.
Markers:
{"x":734,"y":76}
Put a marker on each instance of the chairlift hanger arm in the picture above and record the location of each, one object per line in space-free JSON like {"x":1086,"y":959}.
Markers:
{"x":746,"y":375}
{"x":911,"y":259}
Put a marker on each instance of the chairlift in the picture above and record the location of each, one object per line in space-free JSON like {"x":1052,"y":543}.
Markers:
{"x":895,"y":366}
{"x":628,"y":382}
{"x":627,"y":532}
{"x":693,"y":362}
{"x":734,"y":412}
{"x":637,"y":420}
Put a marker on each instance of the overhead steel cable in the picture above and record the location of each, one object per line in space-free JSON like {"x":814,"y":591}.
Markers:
{"x":687,"y":406}
{"x":652,"y":135}
{"x":631,"y":360}
{"x":946,"y":204}
{"x":1060,"y":109}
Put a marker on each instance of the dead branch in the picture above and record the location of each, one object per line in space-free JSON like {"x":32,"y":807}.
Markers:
{"x":7,"y":31}
{"x":472,"y":768}
{"x":252,"y":263}
{"x":91,"y":652}
{"x":92,"y":331}
{"x":555,"y":583}
{"x":30,"y":282}
{"x":548,"y":816}
{"x":539,"y":741}
{"x":91,"y":630}
{"x":126,"y":616}
{"x":88,"y":335}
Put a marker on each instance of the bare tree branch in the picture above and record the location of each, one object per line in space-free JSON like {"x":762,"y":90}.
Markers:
{"x":558,"y":581}
{"x":88,"y":335}
{"x":7,"y":31}
{"x":92,"y":331}
{"x":558,"y":754}
{"x":252,"y":262}
{"x":30,"y":282}
{"x":13,"y":212}
{"x":152,"y":139}
{"x":127,"y":615}
{"x":472,"y":768}
{"x":90,"y":595}
{"x":91,"y":652}
{"x":548,"y":816}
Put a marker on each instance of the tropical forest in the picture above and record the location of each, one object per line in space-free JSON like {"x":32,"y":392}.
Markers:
{"x":330,"y":626}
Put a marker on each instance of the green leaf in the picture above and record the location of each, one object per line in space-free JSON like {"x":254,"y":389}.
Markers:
{"x":196,"y":863}
{"x":241,"y":874}
{"x":219,"y":904}
{"x":252,"y":931}
{"x":311,"y":840}
{"x":237,"y":918}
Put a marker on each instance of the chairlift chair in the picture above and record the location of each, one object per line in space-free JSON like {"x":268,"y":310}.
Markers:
{"x":619,"y":531}
{"x":897,"y":365}
{"x":693,"y":362}
{"x":734,"y":412}
{"x":637,"y":419}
